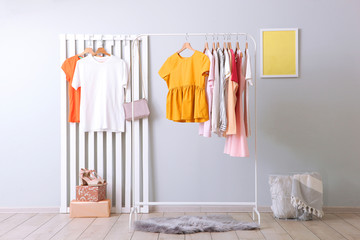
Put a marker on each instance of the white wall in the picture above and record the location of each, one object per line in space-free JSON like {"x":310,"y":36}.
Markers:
{"x":306,"y":123}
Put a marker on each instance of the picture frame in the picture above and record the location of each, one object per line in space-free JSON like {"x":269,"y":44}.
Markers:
{"x":279,"y":52}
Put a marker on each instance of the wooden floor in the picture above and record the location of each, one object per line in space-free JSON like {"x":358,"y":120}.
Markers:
{"x":60,"y":226}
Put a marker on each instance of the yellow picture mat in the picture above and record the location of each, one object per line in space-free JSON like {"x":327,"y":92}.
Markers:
{"x":279,"y":52}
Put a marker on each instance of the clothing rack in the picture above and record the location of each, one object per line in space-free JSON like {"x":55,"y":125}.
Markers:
{"x":143,"y":206}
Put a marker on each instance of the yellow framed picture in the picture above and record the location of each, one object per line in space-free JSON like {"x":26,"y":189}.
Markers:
{"x":279,"y":52}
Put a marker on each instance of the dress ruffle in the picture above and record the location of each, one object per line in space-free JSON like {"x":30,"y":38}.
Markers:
{"x":187,"y":104}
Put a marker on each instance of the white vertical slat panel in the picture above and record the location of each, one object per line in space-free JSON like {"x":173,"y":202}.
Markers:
{"x":100,"y":135}
{"x":127,"y":58}
{"x":63,"y":135}
{"x":91,"y":135}
{"x":109,"y":143}
{"x":136,"y":123}
{"x":73,"y":171}
{"x":91,"y":150}
{"x":145,"y":122}
{"x":118,"y":150}
{"x":81,"y":47}
{"x":69,"y":147}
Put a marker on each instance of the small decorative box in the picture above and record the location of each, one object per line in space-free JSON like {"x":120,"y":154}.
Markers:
{"x":90,"y":209}
{"x":90,"y":194}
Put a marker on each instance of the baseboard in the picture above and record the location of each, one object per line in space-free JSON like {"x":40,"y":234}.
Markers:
{"x":30,"y":210}
{"x":327,"y":209}
{"x":207,"y":209}
{"x":332,"y":209}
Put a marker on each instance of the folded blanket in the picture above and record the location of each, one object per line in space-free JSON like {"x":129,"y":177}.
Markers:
{"x":307,"y":194}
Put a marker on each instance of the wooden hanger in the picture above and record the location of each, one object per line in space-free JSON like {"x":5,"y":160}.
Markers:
{"x":87,"y":50}
{"x":213,"y":44}
{"x":225,"y":45}
{"x":101,"y":50}
{"x":246,"y":45}
{"x":238,"y":49}
{"x":229,"y":45}
{"x":206,"y":47}
{"x":238,"y":46}
{"x":186,"y":45}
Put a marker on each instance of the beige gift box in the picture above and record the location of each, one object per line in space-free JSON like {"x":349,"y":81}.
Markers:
{"x":80,"y":209}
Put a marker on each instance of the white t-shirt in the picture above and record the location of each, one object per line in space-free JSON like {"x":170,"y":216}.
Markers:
{"x":102,"y":81}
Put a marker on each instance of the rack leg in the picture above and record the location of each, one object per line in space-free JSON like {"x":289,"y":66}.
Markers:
{"x":136,"y":212}
{"x":255,"y":210}
{"x":130,"y":218}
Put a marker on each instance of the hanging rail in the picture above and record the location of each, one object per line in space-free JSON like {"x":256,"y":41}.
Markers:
{"x":136,"y":182}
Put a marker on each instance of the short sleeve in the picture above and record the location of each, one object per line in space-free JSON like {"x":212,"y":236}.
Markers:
{"x":66,"y":68}
{"x":248,"y":66}
{"x":164,"y":71}
{"x":205,"y":66}
{"x":76,"y":83}
{"x":124,"y":75}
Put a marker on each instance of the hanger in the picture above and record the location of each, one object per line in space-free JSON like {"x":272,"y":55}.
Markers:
{"x":246,"y":44}
{"x":101,"y":50}
{"x":229,"y":43}
{"x":213,"y":45}
{"x":87,"y":50}
{"x":238,"y":45}
{"x":186,"y":45}
{"x":224,"y":43}
{"x":206,"y":44}
{"x":217,"y":43}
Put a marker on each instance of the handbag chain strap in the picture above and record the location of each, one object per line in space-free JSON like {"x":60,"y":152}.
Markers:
{"x":131,"y":68}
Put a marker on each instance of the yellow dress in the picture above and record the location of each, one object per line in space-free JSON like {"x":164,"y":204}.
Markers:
{"x":185,"y":78}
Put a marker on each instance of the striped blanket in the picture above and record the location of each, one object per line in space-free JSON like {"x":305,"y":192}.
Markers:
{"x":307,"y":194}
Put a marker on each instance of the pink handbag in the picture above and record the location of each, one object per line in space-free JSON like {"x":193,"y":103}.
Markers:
{"x":141,"y":108}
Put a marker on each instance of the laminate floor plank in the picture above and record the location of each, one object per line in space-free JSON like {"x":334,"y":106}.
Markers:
{"x":246,"y":234}
{"x":50,"y":228}
{"x":272,"y":229}
{"x":14,"y":221}
{"x":352,"y":219}
{"x":297,"y":230}
{"x":322,"y":230}
{"x":120,"y":229}
{"x":73,"y":229}
{"x":27,"y":227}
{"x":344,"y":228}
{"x":4,"y":216}
{"x":99,"y":228}
{"x":147,"y":235}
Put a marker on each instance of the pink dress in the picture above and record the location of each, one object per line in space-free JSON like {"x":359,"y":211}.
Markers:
{"x":236,"y":145}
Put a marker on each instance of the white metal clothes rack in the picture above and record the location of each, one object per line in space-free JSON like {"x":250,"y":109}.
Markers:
{"x":143,"y":206}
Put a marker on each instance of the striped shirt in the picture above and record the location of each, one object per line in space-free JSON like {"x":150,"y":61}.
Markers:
{"x":222,"y":90}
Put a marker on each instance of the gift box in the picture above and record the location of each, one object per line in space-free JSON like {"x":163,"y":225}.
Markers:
{"x":80,"y":209}
{"x":90,"y":194}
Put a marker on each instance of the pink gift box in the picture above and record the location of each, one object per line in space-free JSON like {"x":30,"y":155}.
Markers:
{"x":90,"y":194}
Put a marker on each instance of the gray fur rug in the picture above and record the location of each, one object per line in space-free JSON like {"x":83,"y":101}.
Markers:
{"x":193,"y":224}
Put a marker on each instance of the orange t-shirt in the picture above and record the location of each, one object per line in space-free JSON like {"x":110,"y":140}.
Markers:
{"x":74,"y":95}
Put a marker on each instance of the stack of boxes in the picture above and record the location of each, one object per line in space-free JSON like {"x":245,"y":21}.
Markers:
{"x":90,"y":202}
